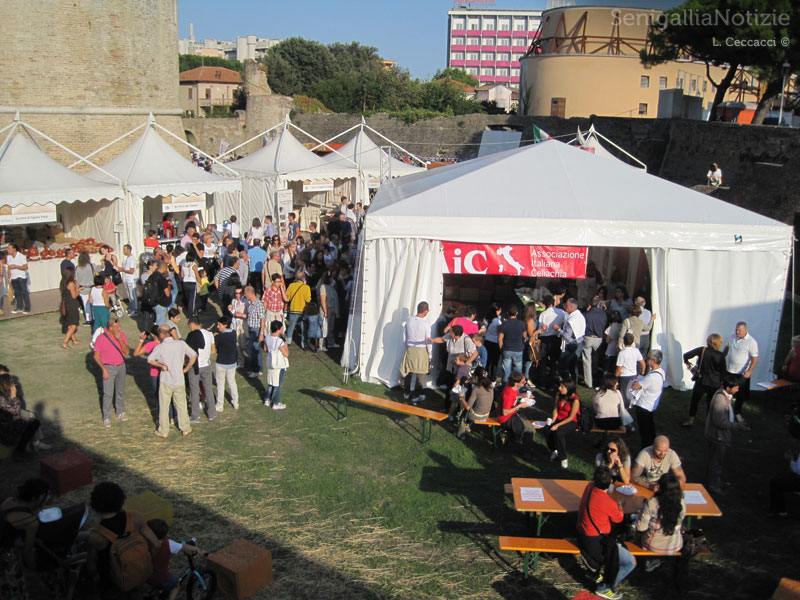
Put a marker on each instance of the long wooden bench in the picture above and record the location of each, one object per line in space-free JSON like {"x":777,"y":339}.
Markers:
{"x":427,"y":416}
{"x":526,"y":545}
{"x":494,"y":426}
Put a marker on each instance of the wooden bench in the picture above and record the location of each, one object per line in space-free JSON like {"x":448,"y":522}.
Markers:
{"x":787,"y":589}
{"x":526,"y":545}
{"x":495,"y":426}
{"x":782,"y":387}
{"x":427,"y":416}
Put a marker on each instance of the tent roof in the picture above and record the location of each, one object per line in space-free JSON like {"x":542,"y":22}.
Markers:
{"x":552,"y":193}
{"x":285,"y":155}
{"x":366,"y":153}
{"x":29,"y":176}
{"x":151,"y":167}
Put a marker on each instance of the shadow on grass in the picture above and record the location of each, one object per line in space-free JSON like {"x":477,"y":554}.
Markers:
{"x":296,"y":576}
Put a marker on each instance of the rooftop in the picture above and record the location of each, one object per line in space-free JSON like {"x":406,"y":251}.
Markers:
{"x":210,"y":75}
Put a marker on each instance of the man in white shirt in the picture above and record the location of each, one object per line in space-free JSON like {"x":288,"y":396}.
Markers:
{"x":741,"y":357}
{"x":129,"y":279}
{"x":549,"y":322}
{"x":417,"y":357}
{"x":645,"y":405}
{"x":645,"y":317}
{"x":18,"y":274}
{"x":571,"y":334}
{"x":169,"y":357}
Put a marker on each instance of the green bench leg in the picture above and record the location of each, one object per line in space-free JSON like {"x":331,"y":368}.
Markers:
{"x":339,"y":414}
{"x":426,"y":423}
{"x":540,"y":520}
{"x":525,"y":559}
{"x":494,"y":436}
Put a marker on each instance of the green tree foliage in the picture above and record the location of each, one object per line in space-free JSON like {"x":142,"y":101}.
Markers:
{"x":457,"y":75}
{"x":187,"y":62}
{"x":696,"y":29}
{"x":352,"y":78}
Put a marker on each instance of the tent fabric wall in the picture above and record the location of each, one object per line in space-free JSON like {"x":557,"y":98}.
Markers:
{"x":397,"y":276}
{"x":93,"y":219}
{"x":133,"y":223}
{"x":697,"y":293}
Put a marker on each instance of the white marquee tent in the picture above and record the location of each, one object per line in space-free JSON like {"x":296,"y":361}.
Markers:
{"x":283,"y":160}
{"x":151,"y":168}
{"x":712,"y":263}
{"x":30,"y":180}
{"x":590,"y":140}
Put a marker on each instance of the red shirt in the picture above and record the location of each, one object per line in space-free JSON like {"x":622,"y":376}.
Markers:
{"x":604,"y":509}
{"x":468,"y":326}
{"x":565,"y":407}
{"x":151,"y":242}
{"x":273,"y":299}
{"x":509,"y":400}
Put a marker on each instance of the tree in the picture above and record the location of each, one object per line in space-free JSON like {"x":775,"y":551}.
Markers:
{"x":457,"y":75}
{"x":353,"y":58}
{"x":187,"y":62}
{"x":295,"y":64}
{"x":707,"y":31}
{"x":444,"y":97}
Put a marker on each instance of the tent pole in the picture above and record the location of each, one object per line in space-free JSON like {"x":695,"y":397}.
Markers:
{"x":414,"y":156}
{"x":168,"y":132}
{"x":319,"y":142}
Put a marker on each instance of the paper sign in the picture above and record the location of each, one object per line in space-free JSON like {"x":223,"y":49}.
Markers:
{"x":529,"y":494}
{"x":525,"y":261}
{"x":183,"y":203}
{"x":318,"y":185}
{"x":694,"y":497}
{"x":24,"y":215}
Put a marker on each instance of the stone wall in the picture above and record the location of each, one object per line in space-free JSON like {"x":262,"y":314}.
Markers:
{"x":761,"y":165}
{"x":96,"y":55}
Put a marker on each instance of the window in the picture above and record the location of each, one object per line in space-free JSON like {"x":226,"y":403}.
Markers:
{"x":487,"y":71}
{"x":642,"y":109}
{"x":662,"y":83}
{"x":519,"y":25}
{"x":487,"y":56}
{"x":458,"y":23}
{"x":644,"y":81}
{"x":705,"y":86}
{"x":502,"y":72}
{"x":472,"y":70}
{"x":474,"y":25}
{"x":679,"y":82}
{"x":558,"y":107}
{"x":488,"y":41}
{"x":503,"y":56}
{"x":520,"y":42}
{"x":693,"y":85}
{"x":533,"y":24}
{"x":488,"y":24}
{"x":473,"y":56}
{"x":473,"y":41}
{"x":456,"y":56}
{"x":208,"y":93}
{"x":515,"y":72}
{"x":457,"y":41}
{"x":190,"y":93}
{"x":504,"y":25}
{"x":517,"y":56}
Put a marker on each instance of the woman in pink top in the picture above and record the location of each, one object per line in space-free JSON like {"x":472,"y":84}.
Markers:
{"x":467,"y":322}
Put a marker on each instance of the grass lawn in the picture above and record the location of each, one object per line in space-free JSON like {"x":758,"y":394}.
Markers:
{"x":359,"y":508}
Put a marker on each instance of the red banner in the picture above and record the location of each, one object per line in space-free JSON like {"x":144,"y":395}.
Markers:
{"x":505,"y":259}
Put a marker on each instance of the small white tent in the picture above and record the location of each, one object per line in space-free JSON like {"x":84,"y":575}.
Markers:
{"x":151,"y":168}
{"x":712,"y":263}
{"x":271,"y":168}
{"x":30,"y":181}
{"x":364,"y":154}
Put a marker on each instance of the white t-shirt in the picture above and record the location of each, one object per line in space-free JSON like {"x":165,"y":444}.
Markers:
{"x":740,"y":353}
{"x":417,"y":330}
{"x":187,"y":272}
{"x":652,"y":386}
{"x":257,"y":233}
{"x":235,"y":230}
{"x":645,"y":318}
{"x":628,"y":359}
{"x":96,"y":296}
{"x":129,"y":263}
{"x":204,"y":354}
{"x":19,"y":260}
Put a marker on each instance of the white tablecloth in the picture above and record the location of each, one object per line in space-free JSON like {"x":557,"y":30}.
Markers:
{"x":46,"y":274}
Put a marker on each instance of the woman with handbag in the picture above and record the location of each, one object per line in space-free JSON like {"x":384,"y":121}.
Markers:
{"x":70,"y":307}
{"x":707,"y":373}
{"x":565,"y":418}
{"x":277,"y":363}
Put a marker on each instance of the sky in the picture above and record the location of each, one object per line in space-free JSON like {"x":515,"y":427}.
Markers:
{"x":411,"y":32}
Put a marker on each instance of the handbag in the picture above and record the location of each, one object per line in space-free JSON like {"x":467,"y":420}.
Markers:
{"x":695,"y":370}
{"x":624,"y":415}
{"x":277,"y":360}
{"x":694,"y":543}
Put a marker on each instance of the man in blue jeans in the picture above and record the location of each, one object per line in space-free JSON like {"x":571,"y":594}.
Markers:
{"x":511,"y":340}
{"x":164,"y":288}
{"x":572,"y":334}
{"x":256,"y":323}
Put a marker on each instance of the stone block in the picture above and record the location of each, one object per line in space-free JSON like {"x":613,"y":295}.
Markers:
{"x":67,"y":471}
{"x":242,"y":569}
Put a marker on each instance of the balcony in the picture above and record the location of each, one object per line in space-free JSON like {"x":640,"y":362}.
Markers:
{"x":473,"y":63}
{"x":458,"y":47}
{"x":457,"y":63}
{"x":488,"y":33}
{"x":458,"y":32}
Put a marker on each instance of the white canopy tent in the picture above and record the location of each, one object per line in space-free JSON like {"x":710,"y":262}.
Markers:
{"x":30,"y":178}
{"x":151,"y":168}
{"x":711,"y":263}
{"x":367,"y":161}
{"x":283,"y":160}
{"x":590,"y":140}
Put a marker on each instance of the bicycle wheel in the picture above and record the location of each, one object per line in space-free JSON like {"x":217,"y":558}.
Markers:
{"x":202,"y":585}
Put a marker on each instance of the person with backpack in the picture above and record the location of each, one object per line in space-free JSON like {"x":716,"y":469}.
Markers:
{"x":121,"y":545}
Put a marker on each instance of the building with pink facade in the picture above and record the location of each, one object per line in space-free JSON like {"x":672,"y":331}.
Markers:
{"x":488,"y":43}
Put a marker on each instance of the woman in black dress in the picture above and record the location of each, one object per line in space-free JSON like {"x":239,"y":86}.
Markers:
{"x":70,"y":307}
{"x":708,"y":372}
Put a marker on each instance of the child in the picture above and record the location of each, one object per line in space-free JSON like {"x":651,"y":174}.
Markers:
{"x":202,"y":290}
{"x":314,"y":322}
{"x":458,"y":393}
{"x":483,"y":354}
{"x":161,"y":577}
{"x":173,"y":318}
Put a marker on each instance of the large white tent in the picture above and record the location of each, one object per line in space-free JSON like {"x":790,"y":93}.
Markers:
{"x":711,"y":263}
{"x":284,"y":160}
{"x":151,"y":168}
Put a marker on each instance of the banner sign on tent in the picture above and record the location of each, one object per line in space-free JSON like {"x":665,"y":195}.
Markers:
{"x":183,"y":203}
{"x":24,"y":215}
{"x":525,"y":261}
{"x":318,"y":185}
{"x":283,"y":202}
